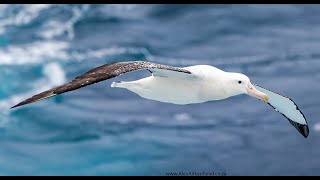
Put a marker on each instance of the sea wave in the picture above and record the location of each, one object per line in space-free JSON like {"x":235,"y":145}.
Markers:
{"x":33,"y":53}
{"x":23,"y":14}
{"x":54,"y":75}
{"x":55,"y":28}
{"x":51,"y":50}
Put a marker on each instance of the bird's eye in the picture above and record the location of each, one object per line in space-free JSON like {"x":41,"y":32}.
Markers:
{"x":239,"y":82}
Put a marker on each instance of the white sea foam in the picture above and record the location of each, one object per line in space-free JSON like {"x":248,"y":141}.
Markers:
{"x":316,"y":127}
{"x":100,"y":53}
{"x":54,"y":28}
{"x":48,"y":51}
{"x":182,"y":117}
{"x":37,"y":52}
{"x":26,"y":15}
{"x":54,"y":74}
{"x":3,"y":8}
{"x":122,"y":10}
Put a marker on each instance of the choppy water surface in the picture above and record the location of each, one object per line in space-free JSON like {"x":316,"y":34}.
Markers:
{"x":100,"y":130}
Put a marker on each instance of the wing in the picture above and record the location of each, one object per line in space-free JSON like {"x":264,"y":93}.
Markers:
{"x":105,"y":72}
{"x":288,"y":108}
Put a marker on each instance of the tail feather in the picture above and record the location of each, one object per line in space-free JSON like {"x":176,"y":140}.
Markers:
{"x":119,"y":84}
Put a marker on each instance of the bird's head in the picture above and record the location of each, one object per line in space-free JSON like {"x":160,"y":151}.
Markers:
{"x":240,"y":84}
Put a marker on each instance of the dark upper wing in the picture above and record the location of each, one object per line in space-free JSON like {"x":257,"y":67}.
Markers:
{"x":100,"y":74}
{"x":288,"y":108}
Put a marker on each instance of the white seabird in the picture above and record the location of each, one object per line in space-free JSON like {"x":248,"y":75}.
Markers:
{"x":185,"y":85}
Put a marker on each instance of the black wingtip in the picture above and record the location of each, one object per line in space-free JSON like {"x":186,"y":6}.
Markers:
{"x":17,"y":105}
{"x":304,"y":130}
{"x":35,"y":98}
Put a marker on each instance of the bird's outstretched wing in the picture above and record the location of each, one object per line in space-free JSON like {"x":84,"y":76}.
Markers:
{"x":288,"y":108}
{"x":102,"y":73}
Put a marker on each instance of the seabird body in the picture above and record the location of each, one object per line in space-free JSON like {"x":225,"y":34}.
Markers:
{"x":206,"y":83}
{"x":168,"y":90}
{"x":182,"y":85}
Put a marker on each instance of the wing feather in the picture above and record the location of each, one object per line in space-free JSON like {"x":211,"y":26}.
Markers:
{"x":288,"y":108}
{"x":98,"y":74}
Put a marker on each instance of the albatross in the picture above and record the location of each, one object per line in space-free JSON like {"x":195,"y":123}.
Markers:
{"x":182,"y":85}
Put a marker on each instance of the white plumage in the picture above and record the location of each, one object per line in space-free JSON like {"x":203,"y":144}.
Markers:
{"x":206,"y":83}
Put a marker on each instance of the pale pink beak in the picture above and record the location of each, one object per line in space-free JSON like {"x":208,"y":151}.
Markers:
{"x":252,"y":91}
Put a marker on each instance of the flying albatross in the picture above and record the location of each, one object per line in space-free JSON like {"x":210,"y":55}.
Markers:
{"x":182,"y":85}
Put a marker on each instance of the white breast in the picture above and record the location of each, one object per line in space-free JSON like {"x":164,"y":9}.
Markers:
{"x":181,"y":90}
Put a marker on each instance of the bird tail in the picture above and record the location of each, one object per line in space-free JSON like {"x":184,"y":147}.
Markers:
{"x":119,"y":84}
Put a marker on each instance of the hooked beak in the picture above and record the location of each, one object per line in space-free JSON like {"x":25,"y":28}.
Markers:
{"x":252,"y":91}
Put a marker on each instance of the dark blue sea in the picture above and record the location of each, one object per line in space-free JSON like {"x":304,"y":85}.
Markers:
{"x":99,"y":130}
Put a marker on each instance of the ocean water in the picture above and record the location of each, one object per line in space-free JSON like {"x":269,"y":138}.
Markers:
{"x":99,"y":130}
